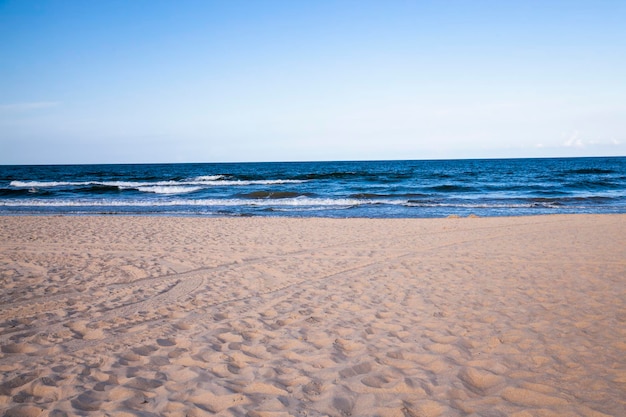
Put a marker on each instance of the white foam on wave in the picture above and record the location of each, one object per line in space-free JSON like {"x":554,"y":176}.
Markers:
{"x":120,"y":184}
{"x":136,"y":184}
{"x":481,"y":205}
{"x":42,"y":184}
{"x":287,"y":202}
{"x":213,"y":180}
{"x":204,"y":178}
{"x":253,"y":182}
{"x":159,"y":189}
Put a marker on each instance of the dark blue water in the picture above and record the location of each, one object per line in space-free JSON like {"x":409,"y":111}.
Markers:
{"x":381,"y":189}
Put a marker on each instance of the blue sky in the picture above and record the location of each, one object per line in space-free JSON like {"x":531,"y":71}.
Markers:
{"x":217,"y":81}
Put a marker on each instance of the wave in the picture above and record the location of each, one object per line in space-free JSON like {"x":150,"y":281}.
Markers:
{"x":592,"y":185}
{"x":284,"y":202}
{"x":304,"y":209}
{"x":560,"y":201}
{"x":169,"y":189}
{"x":296,"y":202}
{"x":272,"y":194}
{"x":254,"y":182}
{"x":369,"y":196}
{"x":119,"y":184}
{"x":330,"y":175}
{"x":44,"y":184}
{"x":9,"y":192}
{"x":590,"y":171}
{"x":292,"y":198}
{"x":302,"y":204}
{"x":205,"y":178}
{"x":199,"y":181}
{"x":489,"y":205}
{"x":449,"y":188}
{"x":89,"y":189}
{"x":367,"y":176}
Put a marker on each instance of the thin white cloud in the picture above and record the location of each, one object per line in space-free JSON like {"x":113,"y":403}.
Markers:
{"x":610,"y":142}
{"x":27,"y":106}
{"x":573,"y":141}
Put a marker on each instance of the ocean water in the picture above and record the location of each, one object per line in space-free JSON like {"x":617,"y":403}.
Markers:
{"x":375,"y":189}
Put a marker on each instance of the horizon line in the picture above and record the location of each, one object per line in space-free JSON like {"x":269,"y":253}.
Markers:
{"x":314,"y":161}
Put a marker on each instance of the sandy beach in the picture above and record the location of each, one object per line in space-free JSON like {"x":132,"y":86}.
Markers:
{"x":164,"y":316}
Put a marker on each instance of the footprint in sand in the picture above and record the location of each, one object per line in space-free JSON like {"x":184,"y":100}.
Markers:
{"x":6,"y":388}
{"x":45,"y":388}
{"x":481,"y":381}
{"x":18,"y":348}
{"x":82,"y":331}
{"x":23,"y":411}
{"x":145,"y":350}
{"x":529,"y":398}
{"x":143,"y":384}
{"x":166,"y":342}
{"x":89,"y":401}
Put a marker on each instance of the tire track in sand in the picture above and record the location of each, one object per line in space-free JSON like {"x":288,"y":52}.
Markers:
{"x":153,"y":307}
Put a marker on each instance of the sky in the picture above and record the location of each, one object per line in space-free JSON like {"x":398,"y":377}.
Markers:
{"x":141,"y":81}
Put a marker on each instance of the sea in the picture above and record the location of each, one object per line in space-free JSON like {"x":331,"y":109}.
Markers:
{"x":344,"y":189}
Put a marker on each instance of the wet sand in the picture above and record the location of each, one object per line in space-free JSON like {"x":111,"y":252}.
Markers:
{"x":141,"y":316}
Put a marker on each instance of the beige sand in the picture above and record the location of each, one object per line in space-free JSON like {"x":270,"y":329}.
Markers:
{"x":137,"y":316}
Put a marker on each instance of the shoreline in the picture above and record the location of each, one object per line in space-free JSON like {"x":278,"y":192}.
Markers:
{"x":126,"y":314}
{"x":256,"y":216}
